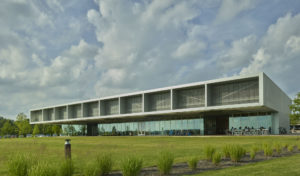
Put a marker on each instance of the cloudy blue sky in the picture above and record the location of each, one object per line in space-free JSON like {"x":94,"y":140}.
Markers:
{"x":58,"y":51}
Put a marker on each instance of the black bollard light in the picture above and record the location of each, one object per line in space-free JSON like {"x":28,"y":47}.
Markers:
{"x":68,"y":149}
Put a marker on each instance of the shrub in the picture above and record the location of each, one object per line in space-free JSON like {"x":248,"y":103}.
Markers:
{"x":209,"y":152}
{"x":193,"y":163}
{"x":66,"y":168}
{"x":165,"y":162}
{"x":286,"y":145}
{"x":268,"y":151}
{"x":236,"y":153}
{"x":42,"y":169}
{"x":278,"y":148}
{"x":217,"y":158}
{"x":291,"y":148}
{"x":226,"y":151}
{"x":131,"y":166}
{"x":19,"y":165}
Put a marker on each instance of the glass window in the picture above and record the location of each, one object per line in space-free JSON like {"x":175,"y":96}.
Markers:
{"x":156,"y":126}
{"x":250,"y":121}
{"x":190,"y":124}
{"x":178,"y":125}
{"x":184,"y":124}
{"x":167,"y":125}
{"x":173,"y":124}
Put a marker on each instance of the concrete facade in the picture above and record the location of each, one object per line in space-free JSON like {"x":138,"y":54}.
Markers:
{"x":227,"y":97}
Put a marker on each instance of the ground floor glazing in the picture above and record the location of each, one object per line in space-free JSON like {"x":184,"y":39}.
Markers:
{"x":201,"y":125}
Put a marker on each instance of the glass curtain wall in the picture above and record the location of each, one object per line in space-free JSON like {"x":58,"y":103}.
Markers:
{"x":189,"y":98}
{"x":183,"y":127}
{"x":235,"y":93}
{"x":256,"y":122}
{"x":159,"y":101}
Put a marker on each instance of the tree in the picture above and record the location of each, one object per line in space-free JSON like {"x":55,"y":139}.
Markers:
{"x":83,"y":129}
{"x":70,"y":130}
{"x":295,"y":110}
{"x":23,"y":124}
{"x":49,"y":130}
{"x":36,"y":130}
{"x":56,"y":129}
{"x":7,"y":128}
{"x":114,"y":131}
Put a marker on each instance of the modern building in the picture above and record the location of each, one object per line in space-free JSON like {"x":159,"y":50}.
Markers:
{"x":201,"y":108}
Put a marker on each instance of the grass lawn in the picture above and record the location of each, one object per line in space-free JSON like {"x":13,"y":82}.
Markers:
{"x":85,"y":149}
{"x":276,"y":167}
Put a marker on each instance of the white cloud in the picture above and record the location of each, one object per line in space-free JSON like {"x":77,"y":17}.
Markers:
{"x":260,"y":59}
{"x":231,"y":8}
{"x":189,"y":49}
{"x":140,"y":40}
{"x":55,"y":5}
{"x":238,"y":54}
{"x":277,"y":46}
{"x":292,"y":46}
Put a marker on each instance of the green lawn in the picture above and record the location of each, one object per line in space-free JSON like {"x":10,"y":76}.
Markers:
{"x":85,"y":149}
{"x":276,"y":167}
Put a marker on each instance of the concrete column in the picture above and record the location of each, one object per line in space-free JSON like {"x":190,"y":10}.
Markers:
{"x":99,"y":108}
{"x":143,"y":102}
{"x":205,"y":96}
{"x":67,"y":111}
{"x":171,"y":99}
{"x":42,"y":116}
{"x":261,"y":88}
{"x":119,"y":99}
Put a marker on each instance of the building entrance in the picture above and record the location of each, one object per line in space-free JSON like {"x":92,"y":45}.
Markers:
{"x":216,"y":125}
{"x":92,"y":129}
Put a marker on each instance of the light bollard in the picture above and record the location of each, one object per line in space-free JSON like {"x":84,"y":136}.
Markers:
{"x":68,"y":149}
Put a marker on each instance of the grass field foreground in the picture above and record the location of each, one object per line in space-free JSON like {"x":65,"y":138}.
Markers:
{"x":85,"y":149}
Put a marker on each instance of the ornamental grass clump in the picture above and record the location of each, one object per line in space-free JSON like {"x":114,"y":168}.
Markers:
{"x":209,"y":152}
{"x":216,"y":159}
{"x":268,"y":150}
{"x":254,"y":149}
{"x":226,"y":151}
{"x":193,"y":163}
{"x":278,"y":148}
{"x":66,"y":168}
{"x":165,"y":162}
{"x":19,"y":165}
{"x":131,"y":166}
{"x":297,"y":147}
{"x":42,"y":169}
{"x":236,"y":153}
{"x":90,"y":169}
{"x":104,"y":164}
{"x":291,"y":148}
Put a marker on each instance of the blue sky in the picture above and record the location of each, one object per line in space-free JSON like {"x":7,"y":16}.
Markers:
{"x":58,"y":51}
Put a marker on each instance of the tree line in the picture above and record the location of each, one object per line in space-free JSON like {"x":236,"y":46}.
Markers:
{"x":21,"y":127}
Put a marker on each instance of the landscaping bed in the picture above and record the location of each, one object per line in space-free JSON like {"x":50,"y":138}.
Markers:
{"x":179,"y":169}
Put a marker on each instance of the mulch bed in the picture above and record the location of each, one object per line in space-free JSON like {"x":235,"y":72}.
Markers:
{"x":204,"y":165}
